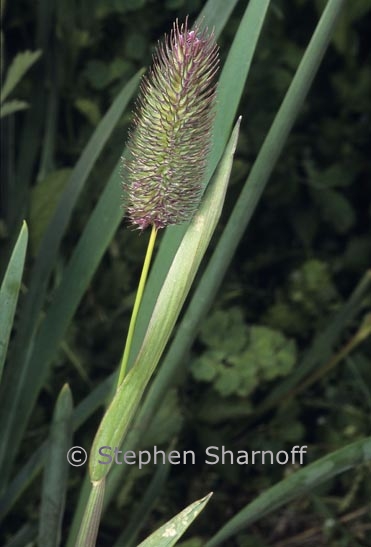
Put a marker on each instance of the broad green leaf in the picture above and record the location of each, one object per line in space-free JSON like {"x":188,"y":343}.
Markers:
{"x":168,"y":306}
{"x":169,"y":533}
{"x":56,"y":471}
{"x":295,"y":485}
{"x":239,"y":358}
{"x":336,"y":209}
{"x":12,"y":106}
{"x":20,"y":65}
{"x":9,"y":292}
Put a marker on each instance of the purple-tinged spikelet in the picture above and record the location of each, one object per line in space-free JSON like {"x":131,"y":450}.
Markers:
{"x":170,"y":138}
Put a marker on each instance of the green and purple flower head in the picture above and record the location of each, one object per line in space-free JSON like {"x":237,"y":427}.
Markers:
{"x":171,"y":133}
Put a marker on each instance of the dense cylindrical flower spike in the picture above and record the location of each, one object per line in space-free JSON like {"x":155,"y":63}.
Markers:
{"x":171,"y":133}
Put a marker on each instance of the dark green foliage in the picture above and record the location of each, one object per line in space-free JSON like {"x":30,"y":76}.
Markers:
{"x":308,"y":297}
{"x":239,"y":358}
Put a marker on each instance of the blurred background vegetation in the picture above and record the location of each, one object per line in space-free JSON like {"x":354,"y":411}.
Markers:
{"x":307,"y":248}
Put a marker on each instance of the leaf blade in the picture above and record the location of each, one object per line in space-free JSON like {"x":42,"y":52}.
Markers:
{"x":9,"y":292}
{"x":169,"y":533}
{"x":56,"y":471}
{"x":296,"y":484}
{"x":12,"y":106}
{"x":18,"y":68}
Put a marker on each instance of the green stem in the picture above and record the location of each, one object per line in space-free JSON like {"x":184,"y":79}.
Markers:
{"x":90,"y":523}
{"x":138,"y":300}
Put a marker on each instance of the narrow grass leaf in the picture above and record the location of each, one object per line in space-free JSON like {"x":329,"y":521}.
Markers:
{"x":168,"y":306}
{"x":18,"y":68}
{"x":297,"y":484}
{"x":22,"y":481}
{"x":29,"y":143}
{"x":28,"y":364}
{"x":169,"y":533}
{"x":12,"y":106}
{"x":47,"y":161}
{"x":138,"y":518}
{"x":9,"y":292}
{"x":56,"y":471}
{"x":234,"y":74}
{"x":215,"y":14}
{"x":80,"y":510}
{"x":24,"y":536}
